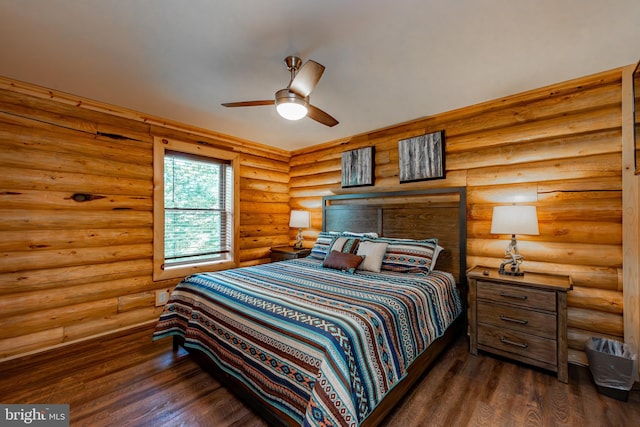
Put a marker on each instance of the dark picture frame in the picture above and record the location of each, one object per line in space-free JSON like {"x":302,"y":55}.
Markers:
{"x":421,"y":157}
{"x":358,"y":167}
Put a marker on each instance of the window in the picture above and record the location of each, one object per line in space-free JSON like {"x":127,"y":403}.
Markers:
{"x":195,"y":208}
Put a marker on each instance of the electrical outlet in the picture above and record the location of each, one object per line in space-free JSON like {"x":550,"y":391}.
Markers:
{"x":162,"y":297}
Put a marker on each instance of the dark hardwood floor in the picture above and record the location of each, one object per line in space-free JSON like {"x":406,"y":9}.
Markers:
{"x":128,"y":380}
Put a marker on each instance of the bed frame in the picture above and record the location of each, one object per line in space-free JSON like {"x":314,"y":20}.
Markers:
{"x":418,"y":214}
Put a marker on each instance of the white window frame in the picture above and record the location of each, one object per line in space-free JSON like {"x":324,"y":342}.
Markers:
{"x":160,"y":145}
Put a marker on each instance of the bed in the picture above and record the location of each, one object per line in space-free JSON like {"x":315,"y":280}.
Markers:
{"x":339,"y":337}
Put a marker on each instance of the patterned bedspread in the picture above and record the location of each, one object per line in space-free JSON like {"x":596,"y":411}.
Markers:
{"x":321,"y":345}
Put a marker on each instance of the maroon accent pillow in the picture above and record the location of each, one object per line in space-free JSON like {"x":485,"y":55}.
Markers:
{"x":342,"y":261}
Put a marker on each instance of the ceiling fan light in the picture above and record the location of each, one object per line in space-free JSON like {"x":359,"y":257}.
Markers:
{"x":291,"y":106}
{"x":291,"y":110}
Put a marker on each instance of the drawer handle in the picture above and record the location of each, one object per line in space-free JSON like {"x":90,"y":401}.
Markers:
{"x":511,"y":319}
{"x":506,"y":295}
{"x":517,"y":344}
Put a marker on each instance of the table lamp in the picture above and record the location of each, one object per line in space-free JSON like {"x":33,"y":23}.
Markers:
{"x":514,"y":220}
{"x":299,"y":220}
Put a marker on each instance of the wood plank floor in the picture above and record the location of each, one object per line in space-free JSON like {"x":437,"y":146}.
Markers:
{"x":128,"y":380}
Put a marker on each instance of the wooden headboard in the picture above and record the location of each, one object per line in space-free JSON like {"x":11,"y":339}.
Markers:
{"x":422,"y":214}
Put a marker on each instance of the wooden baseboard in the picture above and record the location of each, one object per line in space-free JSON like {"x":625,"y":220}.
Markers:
{"x":111,"y":334}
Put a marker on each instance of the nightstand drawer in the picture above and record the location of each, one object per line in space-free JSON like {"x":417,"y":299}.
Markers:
{"x":519,"y":343}
{"x":282,"y":256}
{"x":515,"y":295}
{"x":283,"y":253}
{"x":518,"y":319}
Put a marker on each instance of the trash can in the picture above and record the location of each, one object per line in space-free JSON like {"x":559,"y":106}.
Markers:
{"x":613,"y":366}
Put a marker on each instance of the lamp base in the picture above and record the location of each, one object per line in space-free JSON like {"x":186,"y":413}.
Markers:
{"x":502,"y":270}
{"x":298,"y":245}
{"x":511,"y":267}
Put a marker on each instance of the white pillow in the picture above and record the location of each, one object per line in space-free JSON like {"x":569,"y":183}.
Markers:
{"x":373,"y":253}
{"x":370,"y":235}
{"x":338,"y":244}
{"x":435,"y":256}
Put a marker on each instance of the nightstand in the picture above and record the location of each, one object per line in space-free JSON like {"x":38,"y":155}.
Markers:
{"x":282,"y":253}
{"x":523,"y":318}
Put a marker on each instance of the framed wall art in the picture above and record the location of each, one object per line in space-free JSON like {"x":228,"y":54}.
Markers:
{"x":358,"y":167}
{"x":422,"y":157}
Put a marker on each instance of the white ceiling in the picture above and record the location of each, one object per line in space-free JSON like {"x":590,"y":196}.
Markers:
{"x":386,"y":61}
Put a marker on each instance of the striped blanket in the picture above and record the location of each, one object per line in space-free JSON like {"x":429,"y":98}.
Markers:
{"x":320,"y":345}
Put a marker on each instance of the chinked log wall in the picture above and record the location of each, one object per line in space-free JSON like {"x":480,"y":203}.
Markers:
{"x":558,"y":148}
{"x":76,"y":215}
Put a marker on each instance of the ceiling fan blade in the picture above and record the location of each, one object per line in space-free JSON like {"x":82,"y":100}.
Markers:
{"x":249,"y":103}
{"x":307,"y":78}
{"x":320,"y":116}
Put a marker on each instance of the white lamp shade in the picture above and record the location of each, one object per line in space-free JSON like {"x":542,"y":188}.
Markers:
{"x":299,"y":219}
{"x":290,"y":105}
{"x":515,"y":220}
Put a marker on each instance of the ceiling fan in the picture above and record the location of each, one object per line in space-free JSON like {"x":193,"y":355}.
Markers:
{"x":292,"y":103}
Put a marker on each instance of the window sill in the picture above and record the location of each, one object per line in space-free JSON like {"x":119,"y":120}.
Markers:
{"x":186,"y":270}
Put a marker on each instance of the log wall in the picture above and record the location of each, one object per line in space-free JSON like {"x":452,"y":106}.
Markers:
{"x":558,"y":148}
{"x":76,"y":215}
{"x":76,"y":207}
{"x":631,"y":212}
